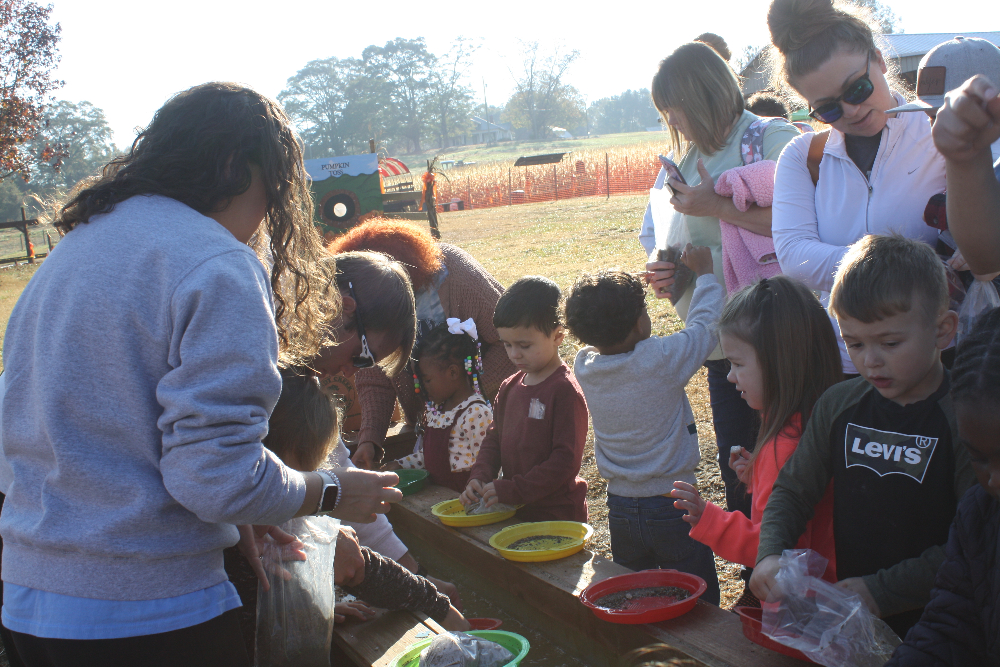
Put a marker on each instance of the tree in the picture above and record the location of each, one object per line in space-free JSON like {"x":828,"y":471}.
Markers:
{"x":404,"y":65}
{"x":540,"y":98}
{"x":316,"y":99}
{"x":27,"y":60}
{"x":632,"y":111}
{"x":82,"y":128}
{"x":884,"y":16}
{"x":450,"y":99}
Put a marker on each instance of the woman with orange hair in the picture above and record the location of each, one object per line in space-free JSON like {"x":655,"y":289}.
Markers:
{"x":447,"y":283}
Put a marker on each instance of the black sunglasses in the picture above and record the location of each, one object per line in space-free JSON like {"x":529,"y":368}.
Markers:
{"x":856,"y":93}
{"x":366,"y":359}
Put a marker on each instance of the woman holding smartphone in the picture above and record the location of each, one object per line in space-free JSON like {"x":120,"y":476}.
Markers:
{"x":871,"y":172}
{"x":698,"y":96}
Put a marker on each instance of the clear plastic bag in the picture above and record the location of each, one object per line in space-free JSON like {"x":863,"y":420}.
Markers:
{"x":830,"y":624}
{"x":980,"y":297}
{"x":295,"y":617}
{"x":672,"y":235}
{"x":457,"y":649}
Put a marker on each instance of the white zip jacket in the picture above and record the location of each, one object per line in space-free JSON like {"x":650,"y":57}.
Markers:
{"x":814,"y":225}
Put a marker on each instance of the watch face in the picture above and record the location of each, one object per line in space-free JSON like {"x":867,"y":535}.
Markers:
{"x":329,"y":498}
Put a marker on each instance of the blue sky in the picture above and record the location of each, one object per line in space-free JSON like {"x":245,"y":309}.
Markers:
{"x":128,"y":57}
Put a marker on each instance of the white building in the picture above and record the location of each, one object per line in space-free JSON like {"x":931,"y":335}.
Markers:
{"x":486,"y":132}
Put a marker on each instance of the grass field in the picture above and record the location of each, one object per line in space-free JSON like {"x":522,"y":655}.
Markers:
{"x":559,"y":240}
{"x":511,"y":150}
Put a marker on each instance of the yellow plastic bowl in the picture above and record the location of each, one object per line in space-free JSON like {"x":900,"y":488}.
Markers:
{"x":580,"y":532}
{"x":452,"y":513}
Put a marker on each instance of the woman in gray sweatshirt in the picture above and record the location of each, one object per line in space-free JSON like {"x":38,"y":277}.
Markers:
{"x":141,"y":367}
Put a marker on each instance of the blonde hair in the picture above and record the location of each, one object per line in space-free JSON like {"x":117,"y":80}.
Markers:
{"x":696,"y":80}
{"x":880,"y":275}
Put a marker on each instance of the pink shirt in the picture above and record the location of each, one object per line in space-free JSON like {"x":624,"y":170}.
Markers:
{"x":733,"y":536}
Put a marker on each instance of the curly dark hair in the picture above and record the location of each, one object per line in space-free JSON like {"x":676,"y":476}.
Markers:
{"x":603,"y":308}
{"x":975,"y":375}
{"x":198,"y":150}
{"x":446,"y":347}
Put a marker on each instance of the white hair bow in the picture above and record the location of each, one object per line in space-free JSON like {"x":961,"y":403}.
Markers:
{"x":456,"y":326}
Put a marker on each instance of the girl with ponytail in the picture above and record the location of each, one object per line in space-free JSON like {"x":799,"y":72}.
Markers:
{"x":872,"y":171}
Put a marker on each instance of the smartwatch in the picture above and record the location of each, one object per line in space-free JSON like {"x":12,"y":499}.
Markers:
{"x":329,"y":497}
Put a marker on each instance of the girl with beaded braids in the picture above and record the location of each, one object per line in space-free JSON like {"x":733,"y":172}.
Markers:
{"x":961,"y":623}
{"x":447,"y":367}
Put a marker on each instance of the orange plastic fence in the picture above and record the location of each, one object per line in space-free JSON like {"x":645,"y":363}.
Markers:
{"x":630,"y":170}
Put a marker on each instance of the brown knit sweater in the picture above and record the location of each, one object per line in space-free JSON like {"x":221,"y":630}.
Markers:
{"x":467,"y":291}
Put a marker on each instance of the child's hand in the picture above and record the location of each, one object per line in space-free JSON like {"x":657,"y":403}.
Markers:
{"x":489,"y":494}
{"x":698,"y":259}
{"x":688,"y":499}
{"x":738,"y":460}
{"x":448,"y":589}
{"x":473,"y":492}
{"x":857,"y":585}
{"x":392,"y":465}
{"x":660,"y":276}
{"x":762,"y":579}
{"x":455,"y":622}
{"x":357,"y":609}
{"x":348,"y":563}
{"x":968,"y":121}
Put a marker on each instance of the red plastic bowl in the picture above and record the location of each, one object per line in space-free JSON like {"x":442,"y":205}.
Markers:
{"x":646,"y":610}
{"x":484,"y":623}
{"x":752,"y":630}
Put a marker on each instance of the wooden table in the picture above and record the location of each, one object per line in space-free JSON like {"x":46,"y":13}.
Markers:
{"x":544,"y":595}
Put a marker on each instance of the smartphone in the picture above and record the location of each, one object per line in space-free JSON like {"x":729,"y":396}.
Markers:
{"x":673,"y":171}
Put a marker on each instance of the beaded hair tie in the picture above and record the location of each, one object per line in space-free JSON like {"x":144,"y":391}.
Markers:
{"x":473,"y":367}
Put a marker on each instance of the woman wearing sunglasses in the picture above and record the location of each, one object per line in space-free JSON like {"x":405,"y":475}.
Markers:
{"x":875,"y":171}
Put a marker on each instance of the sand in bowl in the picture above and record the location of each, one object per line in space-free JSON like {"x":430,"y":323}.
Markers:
{"x":624,"y":599}
{"x":541,"y":543}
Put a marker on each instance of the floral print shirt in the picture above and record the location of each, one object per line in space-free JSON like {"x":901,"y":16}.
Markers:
{"x":466,"y":435}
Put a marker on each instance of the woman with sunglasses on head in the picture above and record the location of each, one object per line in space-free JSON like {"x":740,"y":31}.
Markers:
{"x":871,"y":172}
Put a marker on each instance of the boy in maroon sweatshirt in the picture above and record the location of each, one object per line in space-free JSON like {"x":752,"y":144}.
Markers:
{"x":540,"y":415}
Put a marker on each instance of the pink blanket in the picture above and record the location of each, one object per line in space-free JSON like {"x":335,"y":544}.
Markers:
{"x":747,"y":257}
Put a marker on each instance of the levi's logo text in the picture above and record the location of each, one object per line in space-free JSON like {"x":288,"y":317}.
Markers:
{"x":886,"y":453}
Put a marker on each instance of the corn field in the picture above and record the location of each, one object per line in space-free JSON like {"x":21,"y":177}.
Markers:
{"x":625,"y":170}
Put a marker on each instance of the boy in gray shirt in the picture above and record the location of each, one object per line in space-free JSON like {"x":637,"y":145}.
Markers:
{"x":645,"y":435}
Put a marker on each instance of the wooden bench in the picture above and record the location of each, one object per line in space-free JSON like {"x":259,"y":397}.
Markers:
{"x":379,"y":641}
{"x":543,"y":596}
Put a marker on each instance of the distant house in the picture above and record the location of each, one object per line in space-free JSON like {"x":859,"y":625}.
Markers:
{"x":485,"y":132}
{"x":905,"y":50}
{"x":560,"y":132}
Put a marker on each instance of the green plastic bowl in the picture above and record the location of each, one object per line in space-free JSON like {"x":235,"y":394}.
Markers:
{"x":514,"y":643}
{"x":411,"y":481}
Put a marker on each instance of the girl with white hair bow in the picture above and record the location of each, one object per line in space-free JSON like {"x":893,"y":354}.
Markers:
{"x":447,"y":366}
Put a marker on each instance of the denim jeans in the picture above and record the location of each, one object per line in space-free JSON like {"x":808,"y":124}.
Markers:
{"x":649,"y":533}
{"x":736,"y":425}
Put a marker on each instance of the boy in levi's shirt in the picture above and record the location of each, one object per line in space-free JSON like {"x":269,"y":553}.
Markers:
{"x":540,"y":415}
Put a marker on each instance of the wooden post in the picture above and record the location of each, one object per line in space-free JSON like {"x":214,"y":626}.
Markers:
{"x":48,"y":239}
{"x":628,"y":175}
{"x":555,"y":182}
{"x":607,"y":175}
{"x":371,"y":146}
{"x":510,"y":187}
{"x":431,"y":207}
{"x":468,"y":190}
{"x":27,"y":238}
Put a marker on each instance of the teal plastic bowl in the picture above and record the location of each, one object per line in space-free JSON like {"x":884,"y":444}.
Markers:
{"x":411,"y":481}
{"x":514,"y":643}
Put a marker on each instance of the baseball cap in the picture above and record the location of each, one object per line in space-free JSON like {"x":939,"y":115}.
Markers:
{"x":950,"y":64}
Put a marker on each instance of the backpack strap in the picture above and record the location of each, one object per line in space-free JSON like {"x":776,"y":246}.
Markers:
{"x":816,"y":146}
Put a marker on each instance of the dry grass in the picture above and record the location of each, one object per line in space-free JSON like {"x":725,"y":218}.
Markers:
{"x":561,"y":240}
{"x":12,"y":282}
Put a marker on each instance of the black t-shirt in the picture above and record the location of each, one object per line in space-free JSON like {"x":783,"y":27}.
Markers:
{"x":896,"y":462}
{"x":863,"y":151}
